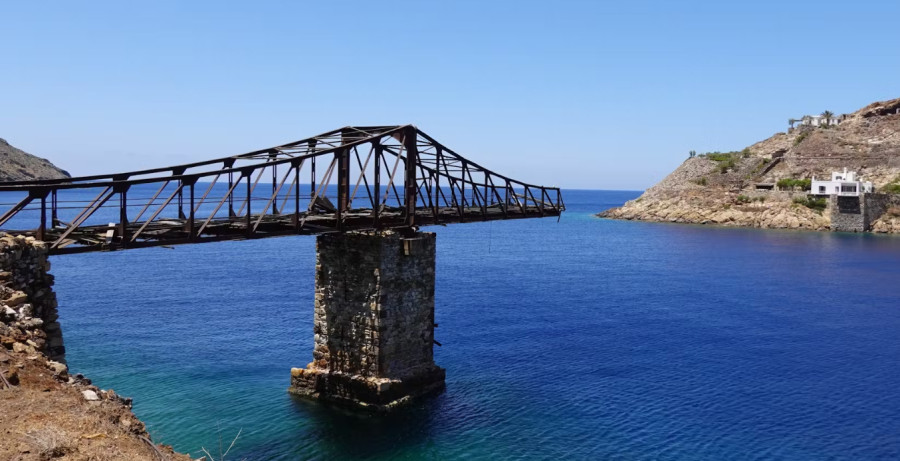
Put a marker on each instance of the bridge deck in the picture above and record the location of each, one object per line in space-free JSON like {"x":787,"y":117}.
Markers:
{"x":173,"y":231}
{"x":370,"y":166}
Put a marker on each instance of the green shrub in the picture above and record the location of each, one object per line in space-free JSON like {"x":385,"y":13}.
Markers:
{"x":702,"y":181}
{"x":892,"y":187}
{"x":792,"y":184}
{"x":813,"y":203}
{"x":726,"y":160}
{"x":719,"y":156}
{"x":743,"y":199}
{"x":801,"y":137}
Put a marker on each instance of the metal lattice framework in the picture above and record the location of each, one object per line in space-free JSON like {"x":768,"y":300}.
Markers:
{"x":353,"y":178}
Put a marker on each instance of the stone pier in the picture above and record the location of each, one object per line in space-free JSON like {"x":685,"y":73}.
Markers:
{"x":374,"y":321}
{"x":856,"y":214}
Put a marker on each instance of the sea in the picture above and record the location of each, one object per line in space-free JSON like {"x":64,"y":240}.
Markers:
{"x":576,"y":338}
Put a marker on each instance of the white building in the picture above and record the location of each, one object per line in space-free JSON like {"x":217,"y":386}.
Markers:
{"x":817,"y":120}
{"x":843,"y":184}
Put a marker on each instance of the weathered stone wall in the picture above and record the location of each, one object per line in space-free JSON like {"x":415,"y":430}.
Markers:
{"x":847,"y":214}
{"x":28,"y":316}
{"x":374,"y":320}
{"x":856,"y":214}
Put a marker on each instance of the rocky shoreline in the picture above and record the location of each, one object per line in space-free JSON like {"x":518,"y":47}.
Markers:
{"x":778,"y":212}
{"x":44,"y":412}
{"x":766,"y":185}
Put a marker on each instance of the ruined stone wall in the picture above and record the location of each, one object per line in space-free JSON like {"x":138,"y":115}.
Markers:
{"x":28,"y":315}
{"x":374,"y":318}
{"x":856,"y":214}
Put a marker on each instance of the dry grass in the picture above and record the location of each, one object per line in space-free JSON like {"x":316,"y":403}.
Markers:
{"x":222,"y":454}
{"x":42,"y":418}
{"x":49,"y":442}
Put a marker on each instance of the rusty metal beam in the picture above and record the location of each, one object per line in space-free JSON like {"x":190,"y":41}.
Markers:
{"x":429,"y":170}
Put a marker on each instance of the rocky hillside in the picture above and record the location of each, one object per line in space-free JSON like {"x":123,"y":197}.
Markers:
{"x":17,"y":165}
{"x":732,"y":188}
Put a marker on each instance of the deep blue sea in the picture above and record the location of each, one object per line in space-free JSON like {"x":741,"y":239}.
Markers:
{"x":578,"y":339}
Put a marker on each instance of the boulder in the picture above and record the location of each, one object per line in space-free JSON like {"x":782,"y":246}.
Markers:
{"x":15,"y":299}
{"x":58,"y":368}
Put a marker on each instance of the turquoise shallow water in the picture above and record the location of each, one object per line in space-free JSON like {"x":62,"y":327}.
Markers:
{"x":579,"y":339}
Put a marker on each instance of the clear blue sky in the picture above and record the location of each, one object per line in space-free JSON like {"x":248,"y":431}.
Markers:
{"x":581,"y":94}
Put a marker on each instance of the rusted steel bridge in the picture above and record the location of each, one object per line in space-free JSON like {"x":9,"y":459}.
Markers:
{"x":352,"y":178}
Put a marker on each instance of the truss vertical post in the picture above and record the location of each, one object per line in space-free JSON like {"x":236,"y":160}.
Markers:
{"x":274,"y":156}
{"x":343,"y":183}
{"x":230,"y":196}
{"x":410,"y":190}
{"x":190,"y":223}
{"x":311,"y":146}
{"x":178,"y":172}
{"x":376,"y":205}
{"x":123,"y":214}
{"x":53,"y":216}
{"x":437,"y":182}
{"x":484,"y":198}
{"x":462,"y":187}
{"x":297,"y":196}
{"x":42,"y":231}
{"x":181,"y":200}
{"x":506,"y":199}
{"x":249,"y":191}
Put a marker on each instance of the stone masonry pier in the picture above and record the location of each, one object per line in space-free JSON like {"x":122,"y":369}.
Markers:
{"x":374,"y":321}
{"x":856,"y":214}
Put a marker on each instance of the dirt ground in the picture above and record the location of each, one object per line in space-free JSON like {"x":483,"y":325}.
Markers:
{"x":45,"y":414}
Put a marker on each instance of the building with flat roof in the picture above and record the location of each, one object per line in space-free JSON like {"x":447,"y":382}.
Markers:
{"x":844,"y":184}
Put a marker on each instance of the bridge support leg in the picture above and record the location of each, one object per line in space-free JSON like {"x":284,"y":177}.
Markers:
{"x":374,"y":321}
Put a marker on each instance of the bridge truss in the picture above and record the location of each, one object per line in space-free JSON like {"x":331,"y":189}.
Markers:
{"x":352,"y":178}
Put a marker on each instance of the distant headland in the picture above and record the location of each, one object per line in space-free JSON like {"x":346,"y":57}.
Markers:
{"x":853,"y":160}
{"x":18,"y":165}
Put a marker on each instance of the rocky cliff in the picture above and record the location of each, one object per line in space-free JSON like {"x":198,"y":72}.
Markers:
{"x":17,"y":165}
{"x":753,"y":187}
